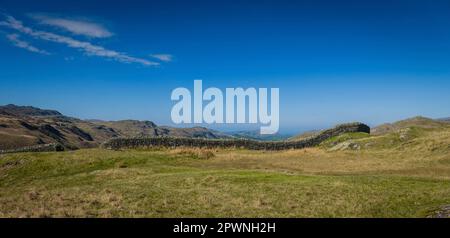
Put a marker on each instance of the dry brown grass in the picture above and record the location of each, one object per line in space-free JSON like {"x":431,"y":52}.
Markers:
{"x":196,"y":153}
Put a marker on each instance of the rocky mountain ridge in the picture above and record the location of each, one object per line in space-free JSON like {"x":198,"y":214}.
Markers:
{"x":22,"y":126}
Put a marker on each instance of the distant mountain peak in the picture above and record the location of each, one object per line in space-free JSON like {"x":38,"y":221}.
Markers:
{"x":15,"y":110}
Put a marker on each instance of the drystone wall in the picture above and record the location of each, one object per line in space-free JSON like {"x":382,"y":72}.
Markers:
{"x":36,"y":148}
{"x":171,"y":142}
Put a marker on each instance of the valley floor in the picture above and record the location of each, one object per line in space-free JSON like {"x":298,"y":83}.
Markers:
{"x":226,"y":183}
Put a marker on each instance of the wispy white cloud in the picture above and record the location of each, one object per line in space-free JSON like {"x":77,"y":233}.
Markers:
{"x":84,"y":46}
{"x":163,"y":57}
{"x":78,"y":27}
{"x":14,"y":38}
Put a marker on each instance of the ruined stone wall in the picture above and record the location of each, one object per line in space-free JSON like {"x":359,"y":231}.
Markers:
{"x":172,"y":142}
{"x":36,"y":148}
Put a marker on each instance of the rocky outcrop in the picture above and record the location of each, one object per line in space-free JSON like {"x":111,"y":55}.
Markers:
{"x":442,"y":212}
{"x":124,"y":143}
{"x":346,"y":145}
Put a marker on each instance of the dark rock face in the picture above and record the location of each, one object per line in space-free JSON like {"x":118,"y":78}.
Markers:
{"x":28,"y":126}
{"x":81,"y":133}
{"x":51,"y":132}
{"x":119,"y":143}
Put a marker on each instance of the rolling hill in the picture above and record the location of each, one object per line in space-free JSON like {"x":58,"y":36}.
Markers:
{"x":419,"y":121}
{"x":256,"y":135}
{"x":134,"y":128}
{"x":444,"y":119}
{"x":26,"y":126}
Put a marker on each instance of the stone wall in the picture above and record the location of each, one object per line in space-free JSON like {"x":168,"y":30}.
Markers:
{"x":36,"y":148}
{"x":171,"y":142}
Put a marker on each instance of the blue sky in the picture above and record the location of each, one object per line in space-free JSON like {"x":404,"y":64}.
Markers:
{"x":369,"y":61}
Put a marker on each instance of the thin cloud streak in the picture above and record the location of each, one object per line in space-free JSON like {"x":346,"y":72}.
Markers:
{"x":163,"y":57}
{"x":14,"y":38}
{"x":78,"y":27}
{"x":86,"y":47}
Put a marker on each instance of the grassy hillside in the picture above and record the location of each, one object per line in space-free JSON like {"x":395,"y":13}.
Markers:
{"x":399,"y":174}
{"x":19,"y":131}
{"x":419,"y":122}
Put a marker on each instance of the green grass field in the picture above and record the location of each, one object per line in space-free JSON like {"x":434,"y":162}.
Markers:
{"x":396,"y":175}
